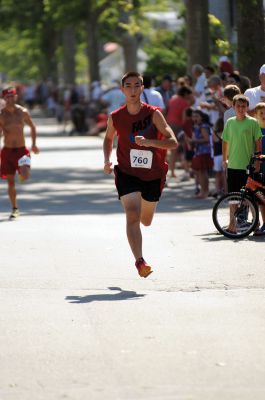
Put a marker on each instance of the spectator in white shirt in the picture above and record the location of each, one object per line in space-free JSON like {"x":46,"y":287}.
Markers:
{"x":256,"y":94}
{"x":150,"y":95}
{"x":200,"y":85}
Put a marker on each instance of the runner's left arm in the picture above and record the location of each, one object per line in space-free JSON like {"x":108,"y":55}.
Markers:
{"x":168,"y":142}
{"x":33,"y":133}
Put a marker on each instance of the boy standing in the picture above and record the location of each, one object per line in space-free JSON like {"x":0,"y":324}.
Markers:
{"x":260,"y":115}
{"x":143,"y":138}
{"x":241,"y":138}
{"x":230,"y":91}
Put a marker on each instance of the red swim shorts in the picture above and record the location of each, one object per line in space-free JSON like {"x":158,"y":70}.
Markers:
{"x":9,"y":160}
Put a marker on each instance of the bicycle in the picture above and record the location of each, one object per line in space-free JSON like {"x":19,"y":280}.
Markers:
{"x":240,"y":209}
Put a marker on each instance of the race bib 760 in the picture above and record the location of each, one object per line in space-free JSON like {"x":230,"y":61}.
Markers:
{"x":141,"y":158}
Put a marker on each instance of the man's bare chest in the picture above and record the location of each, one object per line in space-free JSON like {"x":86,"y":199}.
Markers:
{"x":12,"y":121}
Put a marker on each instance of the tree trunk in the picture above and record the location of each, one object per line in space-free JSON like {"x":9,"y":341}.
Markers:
{"x":129,"y":43}
{"x":49,"y":44}
{"x":251,"y":41}
{"x":197,"y":32}
{"x":130,"y":46}
{"x":69,"y":50}
{"x":92,"y":47}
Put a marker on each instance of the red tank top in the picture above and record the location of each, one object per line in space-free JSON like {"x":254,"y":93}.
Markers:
{"x":128,"y":126}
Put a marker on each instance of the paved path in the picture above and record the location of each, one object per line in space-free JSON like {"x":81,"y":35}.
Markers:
{"x":78,"y":323}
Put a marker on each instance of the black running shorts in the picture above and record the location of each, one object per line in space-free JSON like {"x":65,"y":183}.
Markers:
{"x":236,"y":179}
{"x":125,"y":184}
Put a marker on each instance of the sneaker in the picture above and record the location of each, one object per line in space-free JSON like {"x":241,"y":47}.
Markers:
{"x":14,"y":214}
{"x":260,"y":231}
{"x":143,"y":269}
{"x":244,"y":224}
{"x":21,"y":179}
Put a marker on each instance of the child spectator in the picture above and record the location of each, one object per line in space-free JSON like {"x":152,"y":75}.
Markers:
{"x":241,"y":137}
{"x":229,"y":92}
{"x":260,"y":116}
{"x":202,"y":160}
{"x":220,"y":178}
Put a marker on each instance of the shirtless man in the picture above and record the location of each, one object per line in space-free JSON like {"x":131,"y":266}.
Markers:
{"x":14,"y":155}
{"x":143,"y":138}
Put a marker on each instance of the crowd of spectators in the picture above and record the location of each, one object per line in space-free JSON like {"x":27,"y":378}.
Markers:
{"x":80,"y":109}
{"x":195,"y":106}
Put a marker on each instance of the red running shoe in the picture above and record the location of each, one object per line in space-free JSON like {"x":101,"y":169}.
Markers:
{"x":143,"y":269}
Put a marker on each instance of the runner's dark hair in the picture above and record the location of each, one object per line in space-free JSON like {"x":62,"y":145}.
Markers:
{"x":131,"y":74}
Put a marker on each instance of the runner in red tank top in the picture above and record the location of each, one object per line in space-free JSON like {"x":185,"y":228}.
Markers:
{"x":127,"y":127}
{"x":143,"y":138}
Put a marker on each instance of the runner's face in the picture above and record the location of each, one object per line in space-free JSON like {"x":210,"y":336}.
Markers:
{"x":10,"y":99}
{"x":132,"y":89}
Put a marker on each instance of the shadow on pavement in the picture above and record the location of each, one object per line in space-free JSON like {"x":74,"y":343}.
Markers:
{"x":68,"y":191}
{"x":121,"y":295}
{"x":217,"y":237}
{"x":56,"y":150}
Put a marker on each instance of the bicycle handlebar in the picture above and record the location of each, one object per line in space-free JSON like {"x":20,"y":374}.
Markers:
{"x":257,"y":157}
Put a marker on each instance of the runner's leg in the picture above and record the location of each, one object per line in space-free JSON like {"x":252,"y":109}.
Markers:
{"x":147,"y":211}
{"x":132,"y":206}
{"x":24,"y":172}
{"x":12,"y":190}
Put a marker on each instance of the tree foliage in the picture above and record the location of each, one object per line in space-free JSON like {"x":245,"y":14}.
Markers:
{"x":32,"y":45}
{"x":219,"y":45}
{"x":18,"y":55}
{"x":166,"y":54}
{"x":34,"y":30}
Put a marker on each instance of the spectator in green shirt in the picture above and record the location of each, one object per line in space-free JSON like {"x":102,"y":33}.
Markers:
{"x":241,"y":138}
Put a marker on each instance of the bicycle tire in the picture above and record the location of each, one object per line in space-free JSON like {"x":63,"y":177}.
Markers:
{"x":225,"y":202}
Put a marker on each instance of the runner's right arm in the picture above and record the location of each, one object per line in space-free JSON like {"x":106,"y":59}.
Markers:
{"x":108,"y":145}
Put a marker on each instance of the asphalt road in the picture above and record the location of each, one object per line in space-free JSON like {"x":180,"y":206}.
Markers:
{"x":77,"y":322}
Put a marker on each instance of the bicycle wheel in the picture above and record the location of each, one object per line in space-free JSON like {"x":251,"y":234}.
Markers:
{"x":235,"y":216}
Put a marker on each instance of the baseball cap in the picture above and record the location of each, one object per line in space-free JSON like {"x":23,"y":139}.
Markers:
{"x":262,"y":69}
{"x":8,"y":91}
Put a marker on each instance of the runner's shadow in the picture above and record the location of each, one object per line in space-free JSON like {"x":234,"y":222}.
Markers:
{"x":121,"y":295}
